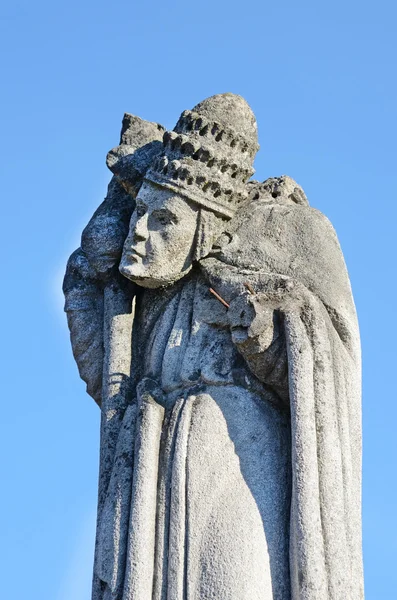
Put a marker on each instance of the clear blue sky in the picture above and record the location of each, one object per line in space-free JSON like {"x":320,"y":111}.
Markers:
{"x":321,"y":78}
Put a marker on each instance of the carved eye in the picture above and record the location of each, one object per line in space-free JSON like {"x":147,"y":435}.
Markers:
{"x":165,"y":217}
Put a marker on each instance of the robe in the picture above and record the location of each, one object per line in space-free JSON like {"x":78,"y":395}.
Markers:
{"x":201,"y":477}
{"x":214,"y":487}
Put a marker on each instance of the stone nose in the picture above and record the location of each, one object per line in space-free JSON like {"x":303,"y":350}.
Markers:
{"x":140,"y":232}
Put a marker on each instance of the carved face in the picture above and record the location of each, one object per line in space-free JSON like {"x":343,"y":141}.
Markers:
{"x":159,"y":246}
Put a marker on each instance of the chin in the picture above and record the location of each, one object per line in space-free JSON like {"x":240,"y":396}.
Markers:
{"x":150,"y":279}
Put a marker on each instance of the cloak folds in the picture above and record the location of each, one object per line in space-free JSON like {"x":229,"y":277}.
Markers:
{"x":195,"y":509}
{"x":269,"y":243}
{"x":325,"y":540}
{"x":324,"y":378}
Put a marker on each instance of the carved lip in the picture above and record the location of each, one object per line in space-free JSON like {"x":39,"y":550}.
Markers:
{"x":133,"y":254}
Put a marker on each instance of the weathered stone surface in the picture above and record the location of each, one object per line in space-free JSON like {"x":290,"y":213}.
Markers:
{"x":212,"y":319}
{"x":140,"y":144}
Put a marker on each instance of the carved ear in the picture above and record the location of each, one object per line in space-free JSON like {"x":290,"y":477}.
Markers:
{"x":209,"y":227}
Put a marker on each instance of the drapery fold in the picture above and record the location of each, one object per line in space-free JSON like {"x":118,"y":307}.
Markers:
{"x":220,"y":530}
{"x":299,"y":249}
{"x":324,"y":375}
{"x":324,"y":385}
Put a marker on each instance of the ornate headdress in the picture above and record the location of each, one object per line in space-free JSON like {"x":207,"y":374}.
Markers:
{"x":208,"y":157}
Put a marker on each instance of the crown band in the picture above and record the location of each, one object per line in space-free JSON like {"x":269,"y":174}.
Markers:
{"x":208,"y":157}
{"x":183,"y":189}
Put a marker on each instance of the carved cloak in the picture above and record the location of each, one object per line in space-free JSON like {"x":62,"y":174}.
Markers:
{"x":299,"y":244}
{"x":324,"y":372}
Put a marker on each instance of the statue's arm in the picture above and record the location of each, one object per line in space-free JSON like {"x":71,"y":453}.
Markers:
{"x":257,"y":328}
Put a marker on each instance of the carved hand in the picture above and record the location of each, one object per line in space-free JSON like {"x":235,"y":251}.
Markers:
{"x":253,"y":325}
{"x":254,"y":317}
{"x":256,"y":324}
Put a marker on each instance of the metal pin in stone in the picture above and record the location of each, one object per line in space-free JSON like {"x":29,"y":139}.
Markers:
{"x":218,"y":297}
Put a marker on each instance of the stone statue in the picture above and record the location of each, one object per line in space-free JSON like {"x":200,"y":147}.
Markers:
{"x":211,"y":317}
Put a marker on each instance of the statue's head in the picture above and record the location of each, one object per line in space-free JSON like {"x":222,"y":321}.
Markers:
{"x":197,"y":184}
{"x":159,"y":247}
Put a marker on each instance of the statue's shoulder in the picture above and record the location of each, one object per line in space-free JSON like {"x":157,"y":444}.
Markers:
{"x":278,"y":232}
{"x":280,"y":197}
{"x":277,"y":219}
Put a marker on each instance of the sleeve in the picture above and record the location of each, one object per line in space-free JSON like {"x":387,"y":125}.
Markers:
{"x":84,"y":309}
{"x":257,"y":328}
{"x":269,"y":363}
